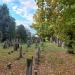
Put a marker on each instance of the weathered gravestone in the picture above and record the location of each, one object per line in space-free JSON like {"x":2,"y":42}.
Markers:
{"x":28,"y":43}
{"x":37,"y":56}
{"x":20,"y":52}
{"x":5,"y":45}
{"x":29,"y":67}
{"x":16,"y":45}
{"x":37,"y":42}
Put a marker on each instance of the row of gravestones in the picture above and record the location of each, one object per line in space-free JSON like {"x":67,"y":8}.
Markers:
{"x":37,"y":41}
{"x":30,"y":63}
{"x":16,"y":47}
{"x":7,"y":44}
{"x":37,"y":56}
{"x":13,"y":43}
{"x":57,"y":41}
{"x":36,"y":60}
{"x":9,"y":65}
{"x":19,"y":50}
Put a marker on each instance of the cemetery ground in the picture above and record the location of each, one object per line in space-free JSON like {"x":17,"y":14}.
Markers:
{"x":53,"y":60}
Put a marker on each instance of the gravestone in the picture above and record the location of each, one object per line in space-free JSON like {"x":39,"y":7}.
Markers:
{"x":37,"y":56}
{"x":5,"y":45}
{"x":28,"y":43}
{"x":37,"y":42}
{"x":20,"y":52}
{"x":29,"y":67}
{"x":16,"y":45}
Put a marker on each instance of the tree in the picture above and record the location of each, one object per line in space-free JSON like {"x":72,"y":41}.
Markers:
{"x":45,"y":17}
{"x":59,"y":18}
{"x":12,"y":30}
{"x":21,"y":33}
{"x":69,"y":22}
{"x":7,"y":23}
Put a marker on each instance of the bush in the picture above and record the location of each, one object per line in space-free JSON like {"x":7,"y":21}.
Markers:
{"x":71,"y":51}
{"x":70,"y":45}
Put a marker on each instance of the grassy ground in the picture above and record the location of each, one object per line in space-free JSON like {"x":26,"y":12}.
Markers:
{"x":4,"y":56}
{"x":53,"y":61}
{"x":17,"y":65}
{"x":56,"y":61}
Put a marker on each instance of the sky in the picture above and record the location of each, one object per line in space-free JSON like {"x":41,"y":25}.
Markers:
{"x":22,"y":11}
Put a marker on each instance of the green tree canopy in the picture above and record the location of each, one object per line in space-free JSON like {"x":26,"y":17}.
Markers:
{"x":7,"y":23}
{"x":58,"y":16}
{"x":21,"y":33}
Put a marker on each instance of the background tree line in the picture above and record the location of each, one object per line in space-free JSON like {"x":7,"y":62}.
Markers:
{"x":8,"y":28}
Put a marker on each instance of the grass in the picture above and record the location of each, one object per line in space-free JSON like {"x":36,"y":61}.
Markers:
{"x":61,"y":62}
{"x":28,"y":52}
{"x":18,"y":66}
{"x":50,"y":54}
{"x":6,"y":58}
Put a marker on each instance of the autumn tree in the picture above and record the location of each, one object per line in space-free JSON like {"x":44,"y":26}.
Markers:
{"x":56,"y":18}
